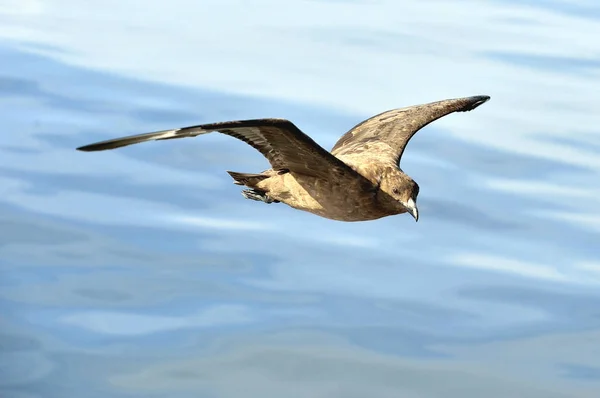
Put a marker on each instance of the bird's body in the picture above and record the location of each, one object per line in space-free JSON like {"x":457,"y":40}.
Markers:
{"x":358,"y":180}
{"x":334,"y":197}
{"x":329,"y":198}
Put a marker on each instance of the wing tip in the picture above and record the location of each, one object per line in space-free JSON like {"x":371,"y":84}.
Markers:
{"x":129,"y":140}
{"x":85,"y":148}
{"x":475,"y":101}
{"x":98,"y":146}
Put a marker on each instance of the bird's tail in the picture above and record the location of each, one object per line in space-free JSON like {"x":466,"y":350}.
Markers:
{"x":247,"y":179}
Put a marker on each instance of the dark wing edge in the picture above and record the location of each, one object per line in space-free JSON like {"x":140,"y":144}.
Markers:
{"x":182,"y":132}
{"x":397,"y":126}
{"x":279,"y":140}
{"x":132,"y":139}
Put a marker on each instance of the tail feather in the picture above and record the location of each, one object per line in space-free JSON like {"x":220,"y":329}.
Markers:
{"x":247,"y":179}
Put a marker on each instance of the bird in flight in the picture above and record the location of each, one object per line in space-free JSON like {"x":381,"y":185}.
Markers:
{"x":360,"y":179}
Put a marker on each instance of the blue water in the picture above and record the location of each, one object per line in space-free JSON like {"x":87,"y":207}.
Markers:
{"x":143,"y":272}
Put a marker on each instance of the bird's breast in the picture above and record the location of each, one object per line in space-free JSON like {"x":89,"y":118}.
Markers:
{"x":338,"y":199}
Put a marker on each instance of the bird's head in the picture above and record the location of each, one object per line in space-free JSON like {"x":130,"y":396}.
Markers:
{"x":401,"y":189}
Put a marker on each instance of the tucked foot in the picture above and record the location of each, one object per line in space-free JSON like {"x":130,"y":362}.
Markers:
{"x":255,"y":194}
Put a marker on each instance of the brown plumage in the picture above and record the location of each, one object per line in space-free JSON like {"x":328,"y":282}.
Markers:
{"x":359,"y":180}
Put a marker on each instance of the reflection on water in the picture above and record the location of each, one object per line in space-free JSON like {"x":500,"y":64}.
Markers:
{"x":143,"y":272}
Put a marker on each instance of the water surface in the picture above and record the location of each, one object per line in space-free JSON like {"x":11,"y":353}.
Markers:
{"x":143,"y":272}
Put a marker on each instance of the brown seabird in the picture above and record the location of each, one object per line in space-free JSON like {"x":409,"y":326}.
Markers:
{"x":359,"y":180}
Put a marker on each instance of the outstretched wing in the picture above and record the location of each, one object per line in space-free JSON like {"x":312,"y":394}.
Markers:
{"x":386,"y":134}
{"x":283,"y":144}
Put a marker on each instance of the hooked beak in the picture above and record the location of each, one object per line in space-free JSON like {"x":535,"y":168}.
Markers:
{"x":411,"y":206}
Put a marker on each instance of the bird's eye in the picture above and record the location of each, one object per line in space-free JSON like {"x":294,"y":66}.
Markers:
{"x":396,"y":191}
